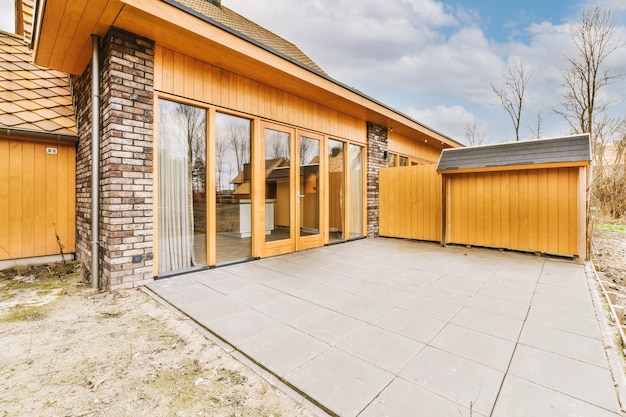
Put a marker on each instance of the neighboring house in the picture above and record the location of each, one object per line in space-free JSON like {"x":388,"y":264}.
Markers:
{"x":189,"y":95}
{"x":37,"y":158}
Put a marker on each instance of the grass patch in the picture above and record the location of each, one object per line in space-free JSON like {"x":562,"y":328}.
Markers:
{"x":611,"y":227}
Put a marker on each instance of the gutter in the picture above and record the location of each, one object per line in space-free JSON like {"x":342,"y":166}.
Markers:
{"x":95,"y":161}
{"x":37,"y":134}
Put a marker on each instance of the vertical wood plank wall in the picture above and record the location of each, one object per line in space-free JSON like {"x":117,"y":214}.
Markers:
{"x":410,"y":202}
{"x":187,"y":77}
{"x":37,"y":198}
{"x":529,"y":210}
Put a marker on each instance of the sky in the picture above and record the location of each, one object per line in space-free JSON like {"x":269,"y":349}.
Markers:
{"x":436,"y":61}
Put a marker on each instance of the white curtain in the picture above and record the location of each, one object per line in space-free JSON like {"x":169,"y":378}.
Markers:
{"x":175,"y":194}
{"x":356,"y":191}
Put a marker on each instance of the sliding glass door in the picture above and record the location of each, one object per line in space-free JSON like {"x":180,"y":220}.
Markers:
{"x":182,"y":216}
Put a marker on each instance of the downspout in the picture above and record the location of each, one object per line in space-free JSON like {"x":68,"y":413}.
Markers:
{"x":95,"y":161}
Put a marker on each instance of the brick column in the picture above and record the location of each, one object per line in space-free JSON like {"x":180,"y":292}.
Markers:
{"x":376,"y":148}
{"x":126,"y":159}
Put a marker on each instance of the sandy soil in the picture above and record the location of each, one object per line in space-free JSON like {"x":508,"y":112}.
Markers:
{"x":69,"y":351}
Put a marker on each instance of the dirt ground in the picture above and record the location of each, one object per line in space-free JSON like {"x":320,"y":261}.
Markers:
{"x":609,"y":255}
{"x":69,"y":351}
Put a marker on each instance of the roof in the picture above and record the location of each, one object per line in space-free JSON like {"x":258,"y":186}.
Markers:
{"x":248,"y":28}
{"x":533,"y":152}
{"x":32,"y":98}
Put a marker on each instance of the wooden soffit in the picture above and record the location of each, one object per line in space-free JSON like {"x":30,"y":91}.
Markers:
{"x":62,"y":41}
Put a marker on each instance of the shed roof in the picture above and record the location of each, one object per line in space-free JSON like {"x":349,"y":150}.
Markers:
{"x":32,"y":98}
{"x":247,"y":28}
{"x":568,"y":149}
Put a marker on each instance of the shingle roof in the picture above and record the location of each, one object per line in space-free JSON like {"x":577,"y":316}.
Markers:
{"x":32,"y":98}
{"x":533,"y":152}
{"x":240,"y":24}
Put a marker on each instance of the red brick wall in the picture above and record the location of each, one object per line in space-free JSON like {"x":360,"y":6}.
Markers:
{"x":126,"y":151}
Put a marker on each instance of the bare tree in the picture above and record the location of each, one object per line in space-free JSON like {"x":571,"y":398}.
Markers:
{"x":278,"y":144}
{"x":473,"y":134}
{"x":239,"y":140}
{"x":536,"y":131}
{"x":586,"y":75}
{"x":511,"y":92}
{"x":586,"y":110}
{"x":221,"y":148}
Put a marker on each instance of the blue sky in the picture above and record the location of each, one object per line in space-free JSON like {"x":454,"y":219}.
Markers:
{"x":435,"y":60}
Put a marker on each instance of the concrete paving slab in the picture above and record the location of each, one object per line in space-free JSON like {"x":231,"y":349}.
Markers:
{"x":388,"y":327}
{"x":380,"y":347}
{"x":405,"y":399}
{"x":412,"y":325}
{"x":584,"y":326}
{"x":564,"y":343}
{"x":456,"y":378}
{"x":476,"y":346}
{"x":489,"y":323}
{"x":522,"y":398}
{"x":589,"y":383}
{"x":284,"y":349}
{"x":341,"y":382}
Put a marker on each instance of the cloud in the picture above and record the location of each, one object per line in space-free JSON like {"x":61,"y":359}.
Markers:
{"x":426,"y":54}
{"x":449,"y":120}
{"x":7,"y":19}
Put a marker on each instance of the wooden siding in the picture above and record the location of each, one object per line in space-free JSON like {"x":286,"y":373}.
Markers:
{"x":410,"y":202}
{"x":37,"y":198}
{"x":528,"y":210}
{"x":415,"y":148}
{"x":187,"y":77}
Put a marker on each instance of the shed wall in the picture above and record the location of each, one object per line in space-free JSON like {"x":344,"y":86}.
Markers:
{"x":528,"y":210}
{"x":37,"y":198}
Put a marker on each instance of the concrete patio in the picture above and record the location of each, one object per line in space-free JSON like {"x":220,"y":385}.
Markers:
{"x":385,"y":327}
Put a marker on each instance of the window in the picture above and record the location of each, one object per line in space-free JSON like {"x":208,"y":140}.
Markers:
{"x":233,"y":188}
{"x":182,"y":186}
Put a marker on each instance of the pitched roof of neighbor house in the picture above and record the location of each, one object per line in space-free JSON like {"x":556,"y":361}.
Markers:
{"x":533,"y":152}
{"x":231,"y":20}
{"x":32,"y":98}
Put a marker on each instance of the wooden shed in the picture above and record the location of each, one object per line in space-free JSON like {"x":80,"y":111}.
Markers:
{"x":528,"y":196}
{"x":37,"y":158}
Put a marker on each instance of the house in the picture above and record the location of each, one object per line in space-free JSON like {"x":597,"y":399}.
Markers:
{"x":38,"y":139}
{"x":173,"y":100}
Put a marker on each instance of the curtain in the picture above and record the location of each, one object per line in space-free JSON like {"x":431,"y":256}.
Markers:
{"x":175,"y":194}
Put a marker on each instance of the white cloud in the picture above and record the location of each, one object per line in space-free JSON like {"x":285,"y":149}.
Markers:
{"x":448,"y":120}
{"x":426,"y":54}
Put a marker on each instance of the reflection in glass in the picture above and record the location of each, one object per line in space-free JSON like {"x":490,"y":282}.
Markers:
{"x":391,"y":160}
{"x":404,"y":161}
{"x":277,"y":185}
{"x":356,"y":191}
{"x":308,"y":199}
{"x":182,"y":186}
{"x":233,"y":190}
{"x":336,"y":190}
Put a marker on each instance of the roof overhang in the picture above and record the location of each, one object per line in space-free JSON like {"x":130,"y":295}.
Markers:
{"x":62,"y":41}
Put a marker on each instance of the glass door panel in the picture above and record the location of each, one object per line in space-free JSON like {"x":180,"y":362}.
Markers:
{"x":278,"y":190}
{"x":308,"y":197}
{"x":233,"y":188}
{"x":336,"y":190}
{"x":356,"y":191}
{"x":182,"y":217}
